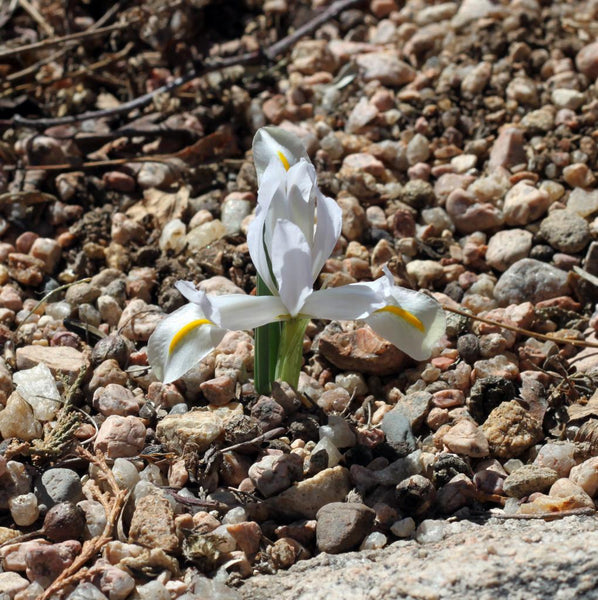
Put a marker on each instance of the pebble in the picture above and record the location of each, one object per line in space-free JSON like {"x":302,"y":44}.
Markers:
{"x":530,"y":280}
{"x":403,"y":528}
{"x":338,"y":431}
{"x":360,"y":350}
{"x":508,"y":149}
{"x":565,"y":488}
{"x":466,"y":438}
{"x":525,"y":203}
{"x":342,"y":526}
{"x":58,"y":485}
{"x":46,"y":562}
{"x":587,"y":61}
{"x":415,"y":495}
{"x":528,"y":479}
{"x":24,"y":509}
{"x":565,"y":231}
{"x":399,"y":436}
{"x":86,"y":591}
{"x":510,"y":430}
{"x":153,"y":525}
{"x":469,"y":215}
{"x":61,"y":360}
{"x":559,"y":457}
{"x":305,"y":498}
{"x":121,"y":436}
{"x":431,"y":531}
{"x":114,"y":399}
{"x":585,"y":475}
{"x":12,"y":583}
{"x":220,"y":390}
{"x":276,"y":472}
{"x":507,"y":247}
{"x":17,"y":420}
{"x":199,"y":427}
{"x":583,"y":202}
{"x":386,"y":68}
{"x":138,"y":320}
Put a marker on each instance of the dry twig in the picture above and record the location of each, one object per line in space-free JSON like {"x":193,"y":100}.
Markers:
{"x":113,"y":502}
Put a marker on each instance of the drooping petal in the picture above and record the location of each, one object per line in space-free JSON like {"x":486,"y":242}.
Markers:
{"x":353,"y":301}
{"x":412,"y":321}
{"x":328,"y":229}
{"x":199,"y":297}
{"x":291,"y":265}
{"x":180,"y":341}
{"x":238,"y":311}
{"x":273,"y":141}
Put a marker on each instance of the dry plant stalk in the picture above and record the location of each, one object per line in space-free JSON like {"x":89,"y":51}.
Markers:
{"x":113,"y":502}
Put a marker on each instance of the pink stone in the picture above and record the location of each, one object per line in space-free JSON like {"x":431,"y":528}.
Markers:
{"x":115,"y":399}
{"x":46,"y":562}
{"x":448,"y":398}
{"x":121,"y":436}
{"x":508,"y":149}
{"x":587,"y":61}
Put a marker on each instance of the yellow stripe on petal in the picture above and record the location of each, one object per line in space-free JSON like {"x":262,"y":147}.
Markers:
{"x":184,"y":331}
{"x":405,"y":315}
{"x":283,"y":160}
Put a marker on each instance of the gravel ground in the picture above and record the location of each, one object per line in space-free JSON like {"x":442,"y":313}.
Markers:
{"x":459,"y":141}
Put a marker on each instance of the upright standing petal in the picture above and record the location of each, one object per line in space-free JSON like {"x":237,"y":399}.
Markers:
{"x":180,"y":341}
{"x":329,"y":222}
{"x":273,"y":141}
{"x":291,"y":265}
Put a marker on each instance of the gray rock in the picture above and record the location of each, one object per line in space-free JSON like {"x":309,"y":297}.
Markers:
{"x":415,"y":407}
{"x":552,"y":561}
{"x":86,"y":591}
{"x":397,"y":429}
{"x":58,"y":485}
{"x":342,"y":526}
{"x":565,"y":231}
{"x":528,"y":479}
{"x":530,"y":280}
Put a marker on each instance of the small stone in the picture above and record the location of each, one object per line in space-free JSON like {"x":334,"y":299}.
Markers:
{"x":529,"y":479}
{"x":466,"y":438}
{"x":418,"y":149}
{"x":507,"y":247}
{"x":62,"y":360}
{"x":198,"y":427}
{"x":334,"y":400}
{"x":524,"y":203}
{"x":386,"y":68}
{"x":426,"y":273}
{"x":95,"y":518}
{"x":311,"y":56}
{"x":583,"y":202}
{"x":17,"y":420}
{"x":138,"y":320}
{"x":559,"y":457}
{"x":469,"y":215}
{"x":565,"y":488}
{"x":121,"y":436}
{"x":204,"y":235}
{"x":26,"y":269}
{"x":403,"y":528}
{"x":455,"y":494}
{"x":430,"y":531}
{"x":87,"y":591}
{"x":586,"y":61}
{"x":46,"y":562}
{"x":152,"y":524}
{"x":585,"y":475}
{"x":48,"y":251}
{"x":274,"y":473}
{"x":338,"y":431}
{"x":397,"y":429}
{"x":342,"y":526}
{"x":268,"y":413}
{"x":415,"y":495}
{"x":115,"y":582}
{"x":305,"y":498}
{"x":360,"y":350}
{"x":508,"y":149}
{"x":285,"y":552}
{"x":58,"y":485}
{"x":24,"y":509}
{"x":510,"y":430}
{"x":106,"y":373}
{"x":12,"y":583}
{"x":220,"y":390}
{"x":64,"y":521}
{"x":565,"y":231}
{"x":115,"y":399}
{"x":172,"y":238}
{"x":565,"y":98}
{"x":530,"y":280}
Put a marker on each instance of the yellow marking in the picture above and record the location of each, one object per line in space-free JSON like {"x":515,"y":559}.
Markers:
{"x":405,"y":315}
{"x":283,"y":160}
{"x":181,"y":333}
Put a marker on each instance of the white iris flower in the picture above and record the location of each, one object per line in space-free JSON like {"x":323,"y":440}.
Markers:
{"x":294,"y":231}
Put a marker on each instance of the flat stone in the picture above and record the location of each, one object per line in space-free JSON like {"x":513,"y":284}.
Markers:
{"x":197,"y":427}
{"x":469,"y":215}
{"x":528,"y":479}
{"x":530,"y":280}
{"x":510,"y":430}
{"x":583,"y":202}
{"x":342,"y":526}
{"x":152,"y":524}
{"x":397,"y":429}
{"x":61,"y":360}
{"x":361,"y":350}
{"x":508,"y":149}
{"x":386,"y":68}
{"x":305,"y":498}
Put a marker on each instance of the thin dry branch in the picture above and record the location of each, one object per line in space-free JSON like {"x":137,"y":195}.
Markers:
{"x":209,"y":65}
{"x":113,"y":502}
{"x":534,"y":334}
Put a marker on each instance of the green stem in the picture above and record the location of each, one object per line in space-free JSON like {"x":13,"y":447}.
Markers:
{"x":266,"y":340}
{"x":290,"y":356}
